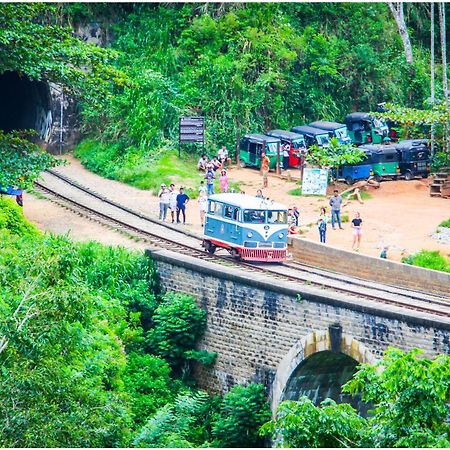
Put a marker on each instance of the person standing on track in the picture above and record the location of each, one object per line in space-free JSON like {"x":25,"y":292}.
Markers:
{"x":164,"y":200}
{"x":265,"y":162}
{"x":182,"y":200}
{"x":173,"y":201}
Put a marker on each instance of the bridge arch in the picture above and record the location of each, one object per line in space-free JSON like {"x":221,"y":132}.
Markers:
{"x":331,"y":341}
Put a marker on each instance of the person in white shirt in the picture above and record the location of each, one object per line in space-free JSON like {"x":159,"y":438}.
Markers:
{"x":202,"y":204}
{"x":202,"y":163}
{"x":222,"y":156}
{"x":173,"y":202}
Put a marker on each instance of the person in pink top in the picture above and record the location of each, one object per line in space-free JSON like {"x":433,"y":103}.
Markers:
{"x":223,"y":181}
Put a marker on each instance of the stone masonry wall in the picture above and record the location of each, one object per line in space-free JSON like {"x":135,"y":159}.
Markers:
{"x":368,"y":267}
{"x":258,"y":326}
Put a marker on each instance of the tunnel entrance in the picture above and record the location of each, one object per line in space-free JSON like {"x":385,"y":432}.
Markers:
{"x":25,"y":104}
{"x":321,"y":376}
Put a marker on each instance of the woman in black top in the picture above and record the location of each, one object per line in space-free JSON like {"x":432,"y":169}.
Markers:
{"x":356,"y":225}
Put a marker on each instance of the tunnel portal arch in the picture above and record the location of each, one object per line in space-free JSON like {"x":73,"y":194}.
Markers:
{"x":328,"y":357}
{"x":25,"y":104}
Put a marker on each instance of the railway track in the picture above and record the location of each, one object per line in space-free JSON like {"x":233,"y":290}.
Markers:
{"x":88,"y":203}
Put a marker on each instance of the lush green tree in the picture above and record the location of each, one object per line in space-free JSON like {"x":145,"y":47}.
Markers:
{"x":301,"y":424}
{"x":334,"y":155}
{"x":12,"y":219}
{"x":410,"y":395}
{"x":21,"y":161}
{"x":148,"y":382}
{"x":178,"y":324}
{"x":242,"y":412}
{"x":183,"y":424}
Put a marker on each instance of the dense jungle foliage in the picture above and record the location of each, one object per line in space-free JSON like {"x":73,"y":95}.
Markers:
{"x":92,"y":354}
{"x":248,"y":68}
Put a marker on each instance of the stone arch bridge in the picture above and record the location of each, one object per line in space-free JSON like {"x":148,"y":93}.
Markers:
{"x":295,"y":339}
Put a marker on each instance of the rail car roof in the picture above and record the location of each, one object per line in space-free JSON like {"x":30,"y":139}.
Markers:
{"x":329,"y":126}
{"x":306,"y":129}
{"x":261,"y":138}
{"x":246,"y":201}
{"x":357,"y":116}
{"x":284,"y":134}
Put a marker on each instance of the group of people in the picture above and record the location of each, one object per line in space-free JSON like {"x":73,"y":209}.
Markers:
{"x":173,"y":200}
{"x":210,"y":167}
{"x":335,"y":204}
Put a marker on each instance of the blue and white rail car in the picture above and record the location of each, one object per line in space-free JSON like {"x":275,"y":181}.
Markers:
{"x":250,"y":228}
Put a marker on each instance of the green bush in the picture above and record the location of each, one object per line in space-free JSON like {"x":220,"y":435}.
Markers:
{"x":243,"y":411}
{"x":178,"y":323}
{"x":147,"y":380}
{"x":12,"y":219}
{"x":445,"y":223}
{"x":429,"y":259}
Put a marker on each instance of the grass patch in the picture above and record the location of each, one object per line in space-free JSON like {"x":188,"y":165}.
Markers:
{"x":296,"y":191}
{"x":429,"y":259}
{"x":345,"y":218}
{"x":144,"y":171}
{"x":445,"y":223}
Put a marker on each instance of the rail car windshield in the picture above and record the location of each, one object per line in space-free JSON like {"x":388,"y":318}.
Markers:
{"x":277,"y":217}
{"x":262,"y":216}
{"x":254,"y":216}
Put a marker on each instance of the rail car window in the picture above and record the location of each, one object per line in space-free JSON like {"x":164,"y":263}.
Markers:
{"x":277,"y":217}
{"x":230,"y":212}
{"x":254,"y":216}
{"x":212,"y":207}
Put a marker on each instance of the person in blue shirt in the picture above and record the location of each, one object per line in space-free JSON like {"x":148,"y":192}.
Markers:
{"x":182,"y":200}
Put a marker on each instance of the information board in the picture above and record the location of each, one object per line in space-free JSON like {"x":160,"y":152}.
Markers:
{"x":315,"y":181}
{"x":192,"y":129}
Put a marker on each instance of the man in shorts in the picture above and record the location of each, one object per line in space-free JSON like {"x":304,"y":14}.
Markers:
{"x":173,"y":201}
{"x":265,"y":162}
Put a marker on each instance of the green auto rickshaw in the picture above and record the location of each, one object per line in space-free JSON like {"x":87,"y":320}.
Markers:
{"x":252,"y":145}
{"x":366,"y":129}
{"x":385,"y":160}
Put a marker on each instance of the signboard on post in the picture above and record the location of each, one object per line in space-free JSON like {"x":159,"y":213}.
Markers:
{"x":315,"y":181}
{"x":192,"y":129}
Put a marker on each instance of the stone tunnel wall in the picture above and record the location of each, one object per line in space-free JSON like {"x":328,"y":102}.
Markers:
{"x":262,"y":328}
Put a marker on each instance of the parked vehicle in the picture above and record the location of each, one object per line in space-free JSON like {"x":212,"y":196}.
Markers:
{"x":252,"y":145}
{"x":366,"y":129}
{"x":313,"y":136}
{"x":414,"y":157}
{"x":296,"y":142}
{"x":335,"y":129}
{"x":385,"y":160}
{"x":354,"y":172}
{"x":13,"y":191}
{"x":250,"y":228}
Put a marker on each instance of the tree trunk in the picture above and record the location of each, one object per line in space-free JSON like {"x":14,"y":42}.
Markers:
{"x":432,"y":69}
{"x":397,"y":11}
{"x":444,"y":69}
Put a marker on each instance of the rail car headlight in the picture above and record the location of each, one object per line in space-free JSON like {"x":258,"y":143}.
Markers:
{"x":249,"y":234}
{"x":281,"y":235}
